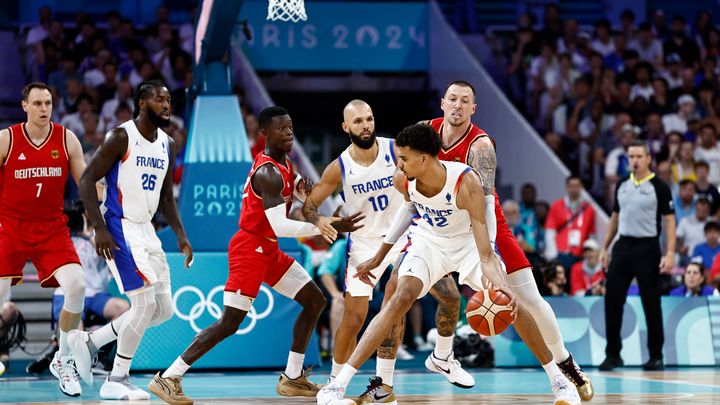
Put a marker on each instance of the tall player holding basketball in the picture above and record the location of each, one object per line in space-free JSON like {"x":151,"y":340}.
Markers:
{"x":536,"y":324}
{"x":451,"y":236}
{"x":36,"y":158}
{"x":134,"y":160}
{"x":254,"y":257}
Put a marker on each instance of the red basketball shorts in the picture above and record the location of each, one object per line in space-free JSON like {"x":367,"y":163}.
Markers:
{"x":46,"y":244}
{"x":508,"y":247}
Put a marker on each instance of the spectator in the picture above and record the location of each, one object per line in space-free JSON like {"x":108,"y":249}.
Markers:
{"x":707,"y":150}
{"x":555,"y":280}
{"x":570,"y":222}
{"x":673,"y":72}
{"x":617,"y":164}
{"x":627,"y":23}
{"x":74,"y":121}
{"x":588,"y":276}
{"x":678,"y":121}
{"x":95,"y":75}
{"x":694,"y":283}
{"x":67,"y":70}
{"x":123,"y":95}
{"x":660,"y":100}
{"x":107,"y":89}
{"x":684,"y":166}
{"x":703,"y":188}
{"x":679,"y":43}
{"x":602,"y":43}
{"x":642,"y":88}
{"x":664,"y":173}
{"x":708,"y":250}
{"x":524,"y":235}
{"x":528,"y":195}
{"x":647,"y":47}
{"x":685,"y":202}
{"x":659,"y":25}
{"x":614,"y":60}
{"x":654,"y":134}
{"x":690,"y":230}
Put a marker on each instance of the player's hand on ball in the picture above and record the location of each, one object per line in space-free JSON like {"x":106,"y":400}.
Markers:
{"x":105,"y":245}
{"x":363,"y":271}
{"x":513,"y":301}
{"x":186,"y":249}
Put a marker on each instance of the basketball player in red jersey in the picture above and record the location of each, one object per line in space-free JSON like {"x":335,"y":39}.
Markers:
{"x":254,"y":257}
{"x":36,"y":157}
{"x":536,"y":324}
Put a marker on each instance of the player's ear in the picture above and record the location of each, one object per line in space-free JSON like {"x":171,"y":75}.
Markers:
{"x":345,"y":127}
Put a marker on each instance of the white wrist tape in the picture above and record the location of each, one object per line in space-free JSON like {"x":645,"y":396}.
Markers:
{"x":288,"y":228}
{"x":490,"y":219}
{"x":403,"y":219}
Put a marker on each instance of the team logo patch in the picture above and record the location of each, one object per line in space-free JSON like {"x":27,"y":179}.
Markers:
{"x":55,"y":154}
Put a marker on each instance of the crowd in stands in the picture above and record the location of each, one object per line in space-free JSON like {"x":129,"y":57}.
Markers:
{"x":590,"y":92}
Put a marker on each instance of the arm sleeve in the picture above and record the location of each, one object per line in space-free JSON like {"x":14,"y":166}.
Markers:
{"x":664,"y":196}
{"x":490,"y":218}
{"x":400,"y":223}
{"x":286,"y":227}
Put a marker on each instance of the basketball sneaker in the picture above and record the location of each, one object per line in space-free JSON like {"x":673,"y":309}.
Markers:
{"x":2,"y":368}
{"x":298,"y":387}
{"x":578,"y":377}
{"x":564,"y":392}
{"x":451,"y":369}
{"x":122,"y":390}
{"x":377,"y":393}
{"x":169,"y":390}
{"x":83,"y":349}
{"x":332,"y":394}
{"x":63,"y":368}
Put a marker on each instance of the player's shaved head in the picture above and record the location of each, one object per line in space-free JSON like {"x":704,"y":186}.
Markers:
{"x":354,"y":107}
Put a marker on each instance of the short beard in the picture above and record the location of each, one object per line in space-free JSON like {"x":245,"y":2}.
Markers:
{"x":360,"y":143}
{"x":156,"y":120}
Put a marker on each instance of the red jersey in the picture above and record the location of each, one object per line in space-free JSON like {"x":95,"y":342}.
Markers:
{"x":252,"y":213}
{"x":32,"y":178}
{"x":573,"y":226}
{"x":458,"y":152}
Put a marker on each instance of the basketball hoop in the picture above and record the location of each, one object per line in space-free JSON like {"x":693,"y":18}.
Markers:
{"x":286,"y":10}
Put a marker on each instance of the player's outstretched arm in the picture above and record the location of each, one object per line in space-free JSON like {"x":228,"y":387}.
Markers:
{"x":75,"y":155}
{"x":4,"y":145}
{"x":112,"y":150}
{"x":402,"y":220}
{"x":482,"y":158}
{"x":169,"y":209}
{"x":330,"y":180}
{"x":468,"y":195}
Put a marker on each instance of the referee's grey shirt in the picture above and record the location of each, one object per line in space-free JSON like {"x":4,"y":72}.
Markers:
{"x":641,"y":206}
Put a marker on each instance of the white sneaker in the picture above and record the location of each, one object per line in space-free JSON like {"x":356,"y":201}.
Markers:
{"x":451,"y":369}
{"x":124,"y":390}
{"x":2,"y":368}
{"x":403,"y":354}
{"x":332,"y":394}
{"x":565,"y":392}
{"x":78,"y":342}
{"x":63,"y":368}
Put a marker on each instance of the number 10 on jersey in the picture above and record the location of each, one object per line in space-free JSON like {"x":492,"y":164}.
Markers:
{"x":379,"y":203}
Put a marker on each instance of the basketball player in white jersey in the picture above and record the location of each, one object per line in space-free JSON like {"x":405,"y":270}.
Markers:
{"x":451,"y":236}
{"x":364,"y":172}
{"x":136,"y":160}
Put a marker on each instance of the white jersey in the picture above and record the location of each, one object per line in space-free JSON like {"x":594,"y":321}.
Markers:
{"x":370,"y":190}
{"x":134,"y":182}
{"x":441,"y":221}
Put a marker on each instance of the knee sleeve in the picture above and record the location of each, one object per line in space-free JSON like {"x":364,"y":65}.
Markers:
{"x":71,"y":280}
{"x":163,"y":309}
{"x":4,"y":289}
{"x":142,"y":308}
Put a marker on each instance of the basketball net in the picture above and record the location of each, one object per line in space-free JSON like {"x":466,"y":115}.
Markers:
{"x":286,"y":10}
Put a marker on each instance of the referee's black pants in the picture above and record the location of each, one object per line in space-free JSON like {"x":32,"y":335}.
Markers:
{"x":634,"y":257}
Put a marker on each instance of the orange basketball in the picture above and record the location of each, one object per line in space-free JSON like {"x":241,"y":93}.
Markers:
{"x":488,"y":312}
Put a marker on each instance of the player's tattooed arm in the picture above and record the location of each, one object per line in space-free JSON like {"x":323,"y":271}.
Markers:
{"x":482,"y":158}
{"x":330,"y":180}
{"x":112,"y":150}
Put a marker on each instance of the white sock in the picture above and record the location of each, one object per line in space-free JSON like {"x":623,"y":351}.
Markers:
{"x":558,"y":351}
{"x":443,"y":346}
{"x":345,"y":375}
{"x":121,"y":368}
{"x":336,"y":367}
{"x":552,"y":370}
{"x":177,"y":369}
{"x":294,"y":366}
{"x":385,"y":369}
{"x":64,"y":350}
{"x":107,"y":333}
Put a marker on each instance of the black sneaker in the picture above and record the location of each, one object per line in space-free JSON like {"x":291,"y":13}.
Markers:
{"x":655,"y":364}
{"x":42,"y":363}
{"x":610,"y":363}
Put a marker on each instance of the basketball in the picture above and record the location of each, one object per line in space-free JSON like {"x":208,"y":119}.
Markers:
{"x":488,"y":312}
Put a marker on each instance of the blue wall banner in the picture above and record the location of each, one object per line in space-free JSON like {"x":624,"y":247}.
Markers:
{"x":352,"y":36}
{"x":263,"y":339}
{"x":582,"y":324}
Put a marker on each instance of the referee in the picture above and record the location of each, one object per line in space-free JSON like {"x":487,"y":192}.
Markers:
{"x":642,"y":202}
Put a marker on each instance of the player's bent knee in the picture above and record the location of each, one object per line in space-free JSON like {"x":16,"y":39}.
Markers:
{"x":72,"y":282}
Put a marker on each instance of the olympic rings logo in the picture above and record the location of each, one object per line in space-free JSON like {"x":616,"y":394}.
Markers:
{"x":198,"y":309}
